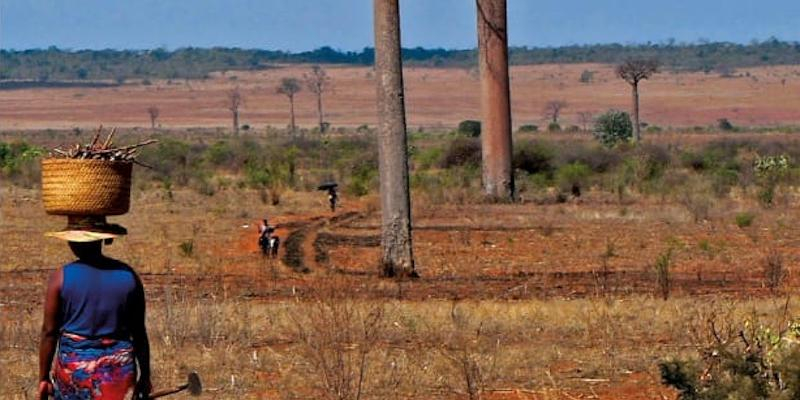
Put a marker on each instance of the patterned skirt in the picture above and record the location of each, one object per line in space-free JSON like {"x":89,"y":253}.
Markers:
{"x":88,"y":369}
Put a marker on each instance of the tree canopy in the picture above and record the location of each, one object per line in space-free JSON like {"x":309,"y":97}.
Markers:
{"x":57,"y":65}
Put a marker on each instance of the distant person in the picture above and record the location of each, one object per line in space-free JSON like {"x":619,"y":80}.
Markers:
{"x":268,"y":243}
{"x":333,"y":198}
{"x":94,"y":311}
{"x":264,"y":232}
{"x":263,"y":228}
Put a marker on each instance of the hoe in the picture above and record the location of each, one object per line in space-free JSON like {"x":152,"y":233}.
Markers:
{"x":192,"y":384}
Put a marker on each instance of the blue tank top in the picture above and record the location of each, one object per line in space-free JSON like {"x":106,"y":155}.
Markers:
{"x":99,"y":301}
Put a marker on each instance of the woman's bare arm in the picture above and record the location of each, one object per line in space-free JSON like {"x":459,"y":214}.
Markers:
{"x":141,"y":343}
{"x":51,"y":324}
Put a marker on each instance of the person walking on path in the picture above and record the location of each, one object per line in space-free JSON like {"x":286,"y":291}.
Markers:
{"x":94,"y":321}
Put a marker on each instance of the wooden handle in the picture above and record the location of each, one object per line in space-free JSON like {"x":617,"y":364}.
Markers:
{"x":167,"y":392}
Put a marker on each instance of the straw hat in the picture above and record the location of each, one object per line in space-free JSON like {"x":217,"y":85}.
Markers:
{"x":88,"y":229}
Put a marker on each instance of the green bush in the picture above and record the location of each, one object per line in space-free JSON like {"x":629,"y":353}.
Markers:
{"x":528,"y":128}
{"x":428,"y":158}
{"x":770,"y":172}
{"x":613,"y":127}
{"x":572,"y":178}
{"x":187,"y":248}
{"x":652,"y":161}
{"x":533,"y":157}
{"x":723,"y":179}
{"x":172,"y":159}
{"x":654,"y":129}
{"x":470,"y":128}
{"x":19,"y":162}
{"x":597,"y":158}
{"x":462,"y":151}
{"x":553,"y":127}
{"x":257,"y":175}
{"x":362,"y":175}
{"x":219,"y":154}
{"x":725,"y":125}
{"x":745,"y":219}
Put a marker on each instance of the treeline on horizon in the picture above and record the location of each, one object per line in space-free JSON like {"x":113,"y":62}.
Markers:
{"x":54,"y":64}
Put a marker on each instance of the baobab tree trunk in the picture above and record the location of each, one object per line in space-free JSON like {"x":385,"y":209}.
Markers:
{"x":398,"y":257}
{"x":637,"y":128}
{"x":291,"y":114}
{"x":319,"y":113}
{"x":498,"y":177}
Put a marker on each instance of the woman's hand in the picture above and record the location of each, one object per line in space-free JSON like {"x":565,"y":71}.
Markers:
{"x":45,"y":390}
{"x":143,"y":389}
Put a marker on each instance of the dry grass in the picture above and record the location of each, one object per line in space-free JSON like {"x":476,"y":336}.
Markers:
{"x":295,"y":350}
{"x":255,"y":329}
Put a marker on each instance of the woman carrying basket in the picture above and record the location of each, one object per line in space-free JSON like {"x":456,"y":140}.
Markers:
{"x":94,"y":313}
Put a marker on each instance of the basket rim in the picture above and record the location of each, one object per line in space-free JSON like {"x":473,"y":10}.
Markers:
{"x":84,"y":160}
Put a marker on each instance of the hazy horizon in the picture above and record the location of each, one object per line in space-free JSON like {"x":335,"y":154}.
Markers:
{"x":347,"y":24}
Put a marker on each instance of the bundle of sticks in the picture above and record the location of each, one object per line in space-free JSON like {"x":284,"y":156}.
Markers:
{"x":102,"y":150}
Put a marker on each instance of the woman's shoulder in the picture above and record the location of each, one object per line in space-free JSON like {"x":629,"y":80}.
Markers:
{"x":105,"y":264}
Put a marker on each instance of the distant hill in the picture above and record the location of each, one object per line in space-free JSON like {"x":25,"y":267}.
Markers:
{"x":53,"y":64}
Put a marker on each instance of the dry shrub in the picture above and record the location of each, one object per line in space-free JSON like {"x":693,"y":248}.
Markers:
{"x":751,"y":359}
{"x":696,"y":196}
{"x":462,"y":151}
{"x":471,"y":348}
{"x":662,"y":272}
{"x":602,"y":273}
{"x":336,"y":337}
{"x":774,"y":272}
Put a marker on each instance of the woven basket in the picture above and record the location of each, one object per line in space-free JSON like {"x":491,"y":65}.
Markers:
{"x":86,"y":187}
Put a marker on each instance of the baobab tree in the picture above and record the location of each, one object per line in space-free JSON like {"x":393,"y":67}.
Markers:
{"x":633,"y":71}
{"x":318,"y":82}
{"x":496,"y":147}
{"x":235,"y":101}
{"x":153,"y":112}
{"x":552,"y":110}
{"x":398,"y":258}
{"x":290,"y":87}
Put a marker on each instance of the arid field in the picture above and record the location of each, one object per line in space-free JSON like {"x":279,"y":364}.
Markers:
{"x":435,"y":97}
{"x":556,"y":296}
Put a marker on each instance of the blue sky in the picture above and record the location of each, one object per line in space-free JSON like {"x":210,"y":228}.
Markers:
{"x":298,"y":25}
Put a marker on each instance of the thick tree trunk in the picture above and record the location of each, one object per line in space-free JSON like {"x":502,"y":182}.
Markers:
{"x":398,"y":258}
{"x":152,"y":123}
{"x":496,"y":146}
{"x":291,"y":114}
{"x":637,"y":128}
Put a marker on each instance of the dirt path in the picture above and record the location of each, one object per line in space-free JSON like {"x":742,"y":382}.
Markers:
{"x":304,"y":250}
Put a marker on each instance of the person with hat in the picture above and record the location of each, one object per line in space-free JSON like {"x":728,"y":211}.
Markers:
{"x":94,"y":321}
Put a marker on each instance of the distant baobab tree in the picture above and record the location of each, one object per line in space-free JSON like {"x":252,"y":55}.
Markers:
{"x":633,"y":71}
{"x":552,"y":110}
{"x":290,"y":87}
{"x":153,"y":112}
{"x":318,"y":82}
{"x":398,"y":257}
{"x":235,"y":101}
